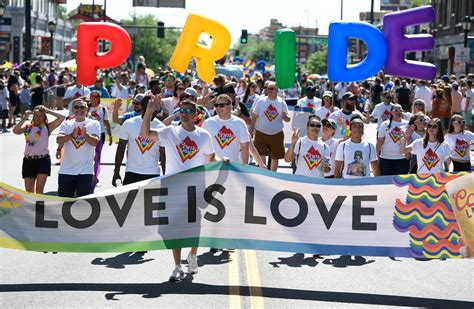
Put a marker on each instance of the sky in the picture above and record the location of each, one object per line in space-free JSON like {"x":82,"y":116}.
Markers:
{"x":252,"y":15}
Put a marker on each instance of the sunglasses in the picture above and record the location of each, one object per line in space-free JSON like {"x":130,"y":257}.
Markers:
{"x":422,"y":120}
{"x":221,"y":104}
{"x":432,"y":126}
{"x":459,"y":122}
{"x":357,"y":125}
{"x":169,"y":79}
{"x":314,"y":125}
{"x":389,"y":97}
{"x":79,"y":107}
{"x":253,"y":86}
{"x":419,"y":104}
{"x":187,"y":111}
{"x":181,"y":88}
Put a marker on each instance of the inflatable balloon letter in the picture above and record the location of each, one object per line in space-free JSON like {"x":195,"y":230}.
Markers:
{"x":398,"y":43}
{"x":88,"y":61}
{"x":339,"y":32}
{"x":285,"y":58}
{"x":188,"y":46}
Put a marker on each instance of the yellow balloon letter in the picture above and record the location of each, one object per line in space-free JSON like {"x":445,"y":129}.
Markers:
{"x":204,"y":56}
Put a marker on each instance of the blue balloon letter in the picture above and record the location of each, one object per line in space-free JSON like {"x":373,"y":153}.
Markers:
{"x":339,"y":32}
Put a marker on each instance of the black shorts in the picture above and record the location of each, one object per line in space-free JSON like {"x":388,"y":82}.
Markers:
{"x":60,"y":91}
{"x":4,"y":114}
{"x":32,"y":167}
{"x":131,"y":177}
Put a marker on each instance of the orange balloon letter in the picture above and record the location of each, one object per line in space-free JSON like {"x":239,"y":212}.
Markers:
{"x":88,"y":61}
{"x":188,"y":46}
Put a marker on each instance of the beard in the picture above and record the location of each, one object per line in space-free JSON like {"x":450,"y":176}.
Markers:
{"x":349,"y":106}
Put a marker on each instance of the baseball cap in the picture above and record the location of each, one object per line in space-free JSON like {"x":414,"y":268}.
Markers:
{"x":327,"y":94}
{"x":331,"y":122}
{"x":348,"y":96}
{"x":139,"y":97}
{"x":190,"y":91}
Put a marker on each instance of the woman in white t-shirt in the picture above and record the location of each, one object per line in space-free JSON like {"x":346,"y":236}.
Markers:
{"x":432,"y":152}
{"x":416,"y":129}
{"x":327,"y":107}
{"x":312,"y":155}
{"x":391,"y":160}
{"x":250,"y":96}
{"x":172,"y":103}
{"x":459,"y":140}
{"x":36,"y":162}
{"x":329,"y":129}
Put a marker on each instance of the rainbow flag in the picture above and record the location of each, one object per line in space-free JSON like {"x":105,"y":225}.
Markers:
{"x":251,"y":66}
{"x":268,"y":68}
{"x":247,"y":63}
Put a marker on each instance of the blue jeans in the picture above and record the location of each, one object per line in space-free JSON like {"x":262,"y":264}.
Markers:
{"x":74,"y":185}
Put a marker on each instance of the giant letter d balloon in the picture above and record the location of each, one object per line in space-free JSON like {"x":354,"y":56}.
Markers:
{"x":88,"y":61}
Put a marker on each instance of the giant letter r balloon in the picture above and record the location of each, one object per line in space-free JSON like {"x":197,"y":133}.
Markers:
{"x":285,"y":58}
{"x":189,"y":47}
{"x":88,"y":61}
{"x":339,"y":33}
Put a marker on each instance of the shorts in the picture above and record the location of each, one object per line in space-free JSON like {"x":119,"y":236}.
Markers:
{"x":60,"y":91}
{"x":131,"y":177}
{"x":4,"y":114}
{"x":32,"y":167}
{"x":272,"y":144}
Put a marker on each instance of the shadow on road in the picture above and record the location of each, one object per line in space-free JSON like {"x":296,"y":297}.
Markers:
{"x":187,"y":287}
{"x":347,"y":260}
{"x":210,"y":258}
{"x":122,"y":260}
{"x":297,"y":260}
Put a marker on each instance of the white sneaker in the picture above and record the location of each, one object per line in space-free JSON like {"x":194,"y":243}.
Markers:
{"x":177,"y":274}
{"x":192,"y":264}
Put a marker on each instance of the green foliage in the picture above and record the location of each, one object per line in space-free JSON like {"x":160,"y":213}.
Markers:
{"x":256,"y":49}
{"x":318,"y":62}
{"x":417,"y":3}
{"x":157,"y":51}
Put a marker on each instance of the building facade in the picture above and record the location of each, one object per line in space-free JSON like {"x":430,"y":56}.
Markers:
{"x":12,"y":31}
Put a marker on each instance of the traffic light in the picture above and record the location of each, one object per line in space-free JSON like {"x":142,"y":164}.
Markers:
{"x":243,"y":37}
{"x":161,"y":29}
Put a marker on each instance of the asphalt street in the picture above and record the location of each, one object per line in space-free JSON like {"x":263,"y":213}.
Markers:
{"x":235,"y":279}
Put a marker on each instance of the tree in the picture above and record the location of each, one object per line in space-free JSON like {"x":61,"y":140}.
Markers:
{"x":157,"y":51}
{"x":317,"y":62}
{"x":256,"y":49}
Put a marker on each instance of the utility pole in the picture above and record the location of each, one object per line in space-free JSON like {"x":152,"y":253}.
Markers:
{"x":27,"y":30}
{"x":342,"y":7}
{"x":372,"y":12}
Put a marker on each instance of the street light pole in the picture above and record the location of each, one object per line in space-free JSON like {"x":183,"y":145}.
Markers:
{"x":466,"y":26}
{"x":51,"y":29}
{"x":27,"y":30}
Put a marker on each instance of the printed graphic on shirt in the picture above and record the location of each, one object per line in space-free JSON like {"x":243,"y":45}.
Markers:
{"x":224,"y":137}
{"x":357,"y":167}
{"x":79,"y":139}
{"x":396,"y":134}
{"x":271,"y":113}
{"x":187,"y":149}
{"x":310,"y":105}
{"x":386,"y":115}
{"x":95,"y":115}
{"x":430,"y":159}
{"x":144,"y":144}
{"x":461,"y":147}
{"x":313,"y":158}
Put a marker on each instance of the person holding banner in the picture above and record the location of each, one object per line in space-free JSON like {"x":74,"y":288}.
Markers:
{"x":186,"y":146}
{"x":432,"y":152}
{"x":354,"y":156}
{"x":312,"y":155}
{"x":79,"y":136}
{"x":459,"y":140}
{"x":37,"y":162}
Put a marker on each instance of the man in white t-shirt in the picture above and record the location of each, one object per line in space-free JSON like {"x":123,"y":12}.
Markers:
{"x":382,"y":110}
{"x":310,"y":100}
{"x":343,"y":117}
{"x":79,"y":137}
{"x":424,"y":93}
{"x":75,"y":92}
{"x":120,"y":89}
{"x":268,"y":115}
{"x":186,"y":146}
{"x":143,"y":155}
{"x":354,"y":156}
{"x":229,"y":133}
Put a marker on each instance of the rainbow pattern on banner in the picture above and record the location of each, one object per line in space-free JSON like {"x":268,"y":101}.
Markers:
{"x":144,"y":144}
{"x":8,"y":201}
{"x":427,"y":216}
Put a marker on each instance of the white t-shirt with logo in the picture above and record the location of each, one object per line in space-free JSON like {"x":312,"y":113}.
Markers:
{"x":430,"y":159}
{"x":324,"y":112}
{"x":342,"y":118}
{"x":460,"y":145}
{"x":100,"y":114}
{"x":227,"y":135}
{"x":76,"y":92}
{"x":270,"y":115}
{"x":170,"y":104}
{"x":311,"y":156}
{"x":143,"y":155}
{"x":311,"y":103}
{"x":381,"y":112}
{"x":332,"y":144}
{"x":78,"y":154}
{"x":119,"y":93}
{"x":356,"y":158}
{"x":391,"y":145}
{"x":184,"y":149}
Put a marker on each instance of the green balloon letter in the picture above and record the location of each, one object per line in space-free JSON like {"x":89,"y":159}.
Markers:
{"x":285,"y":58}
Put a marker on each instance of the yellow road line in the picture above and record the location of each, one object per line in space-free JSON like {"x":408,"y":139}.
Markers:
{"x":253,"y":276}
{"x":234,"y":282}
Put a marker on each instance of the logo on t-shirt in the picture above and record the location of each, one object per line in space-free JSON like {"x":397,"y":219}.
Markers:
{"x":430,"y":159}
{"x":187,"y":149}
{"x":224,"y":137}
{"x":310,"y":105}
{"x":461,"y":147}
{"x":95,"y":115}
{"x":386,"y":115}
{"x":396,"y":134}
{"x":271,"y":113}
{"x":144,"y":144}
{"x":79,"y":139}
{"x":313,"y":158}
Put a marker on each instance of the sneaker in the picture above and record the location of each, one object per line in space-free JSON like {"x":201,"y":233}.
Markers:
{"x":214,"y":250}
{"x":5,"y":130}
{"x":192,"y":264}
{"x":177,"y":274}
